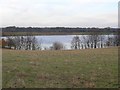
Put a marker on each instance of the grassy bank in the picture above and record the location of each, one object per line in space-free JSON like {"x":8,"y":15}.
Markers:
{"x":61,"y":69}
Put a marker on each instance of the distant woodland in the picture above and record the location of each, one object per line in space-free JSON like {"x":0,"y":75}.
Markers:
{"x":16,"y":31}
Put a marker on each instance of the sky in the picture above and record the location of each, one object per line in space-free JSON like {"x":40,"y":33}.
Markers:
{"x":59,"y":13}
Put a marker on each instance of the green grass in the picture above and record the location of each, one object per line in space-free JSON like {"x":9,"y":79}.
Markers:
{"x":88,"y":68}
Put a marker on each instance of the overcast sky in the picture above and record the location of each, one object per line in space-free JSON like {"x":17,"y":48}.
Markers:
{"x":71,"y":13}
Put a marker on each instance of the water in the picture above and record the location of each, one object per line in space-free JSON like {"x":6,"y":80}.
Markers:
{"x":47,"y":41}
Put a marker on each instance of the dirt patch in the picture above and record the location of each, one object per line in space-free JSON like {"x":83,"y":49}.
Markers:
{"x":89,"y":84}
{"x":22,"y":75}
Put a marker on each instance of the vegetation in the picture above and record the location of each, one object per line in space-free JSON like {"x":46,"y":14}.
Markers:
{"x":21,"y":43}
{"x":57,"y":46}
{"x":89,"y":68}
{"x":75,"y":43}
{"x":84,"y":42}
{"x":18,"y":31}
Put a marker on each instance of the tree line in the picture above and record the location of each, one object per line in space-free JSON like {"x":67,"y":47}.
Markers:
{"x":59,"y":30}
{"x":95,"y":41}
{"x":84,"y":42}
{"x":21,"y":43}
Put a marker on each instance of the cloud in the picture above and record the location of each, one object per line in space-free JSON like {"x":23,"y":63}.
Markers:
{"x":58,"y":12}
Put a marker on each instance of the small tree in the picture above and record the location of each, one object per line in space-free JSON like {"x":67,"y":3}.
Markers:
{"x":57,"y":46}
{"x":10,"y":42}
{"x":116,"y":40}
{"x":4,"y":43}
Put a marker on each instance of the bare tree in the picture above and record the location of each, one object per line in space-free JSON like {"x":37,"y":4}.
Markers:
{"x":29,"y":42}
{"x":34,"y":42}
{"x":94,"y":39}
{"x":110,"y":41}
{"x":39,"y":44}
{"x":75,"y":43}
{"x":86,"y":41}
{"x":10,"y":42}
{"x":17,"y":41}
{"x":23,"y":42}
{"x":101,"y":38}
{"x":116,"y":40}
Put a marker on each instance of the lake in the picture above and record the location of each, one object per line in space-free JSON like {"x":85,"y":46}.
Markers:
{"x":47,"y":41}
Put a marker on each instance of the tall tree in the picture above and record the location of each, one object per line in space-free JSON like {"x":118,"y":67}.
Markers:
{"x":94,"y":39}
{"x":102,"y":38}
{"x":34,"y":42}
{"x":75,"y":42}
{"x":86,"y":41}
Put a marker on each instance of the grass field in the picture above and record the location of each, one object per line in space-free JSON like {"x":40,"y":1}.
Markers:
{"x":90,"y":68}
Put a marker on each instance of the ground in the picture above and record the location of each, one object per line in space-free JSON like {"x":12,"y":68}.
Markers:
{"x":90,"y":68}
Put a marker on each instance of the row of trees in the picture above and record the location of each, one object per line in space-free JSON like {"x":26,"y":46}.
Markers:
{"x":58,"y":29}
{"x":21,"y":43}
{"x":92,"y":41}
{"x":27,"y":43}
{"x":88,"y":41}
